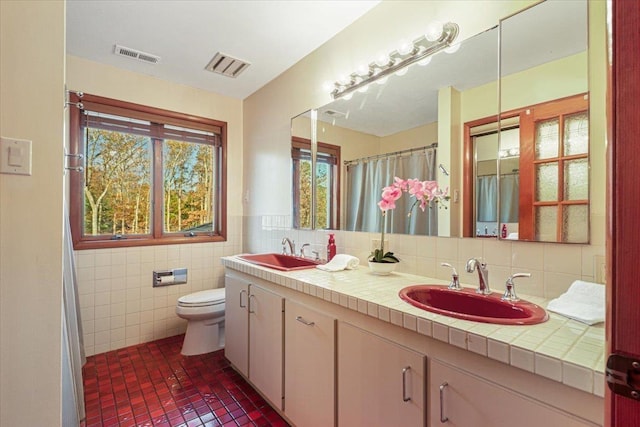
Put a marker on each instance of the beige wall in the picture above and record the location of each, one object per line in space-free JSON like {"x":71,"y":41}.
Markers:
{"x":119,"y":307}
{"x":31,"y":105}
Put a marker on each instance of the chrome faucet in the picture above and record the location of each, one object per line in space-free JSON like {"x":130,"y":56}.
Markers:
{"x":292,"y":246}
{"x":483,"y":275}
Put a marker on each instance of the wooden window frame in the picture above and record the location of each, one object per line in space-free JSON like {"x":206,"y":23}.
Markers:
{"x":333,"y":152}
{"x":157,"y":236}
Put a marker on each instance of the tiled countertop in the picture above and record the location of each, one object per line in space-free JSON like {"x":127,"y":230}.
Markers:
{"x":561,"y":349}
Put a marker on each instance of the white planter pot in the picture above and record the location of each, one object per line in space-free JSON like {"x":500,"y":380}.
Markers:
{"x":382,"y":268}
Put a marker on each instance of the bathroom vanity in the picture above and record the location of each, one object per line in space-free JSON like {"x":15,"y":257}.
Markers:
{"x":343,"y":349}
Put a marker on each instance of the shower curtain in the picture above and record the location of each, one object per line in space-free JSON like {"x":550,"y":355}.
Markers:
{"x":365,"y":180}
{"x":487,"y":198}
{"x":72,"y":346}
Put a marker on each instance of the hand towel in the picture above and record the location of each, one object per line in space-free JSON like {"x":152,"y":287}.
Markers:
{"x":583,"y":301}
{"x":340,"y":262}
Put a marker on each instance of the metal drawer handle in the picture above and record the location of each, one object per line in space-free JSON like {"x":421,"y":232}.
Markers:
{"x":443,"y":419}
{"x":404,"y":384}
{"x":301,"y":320}
{"x":242,"y":292}
{"x":251,"y":311}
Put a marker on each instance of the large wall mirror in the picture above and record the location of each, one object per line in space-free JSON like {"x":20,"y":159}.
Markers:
{"x":530,"y":168}
{"x":418,"y":124}
{"x":402,"y":126}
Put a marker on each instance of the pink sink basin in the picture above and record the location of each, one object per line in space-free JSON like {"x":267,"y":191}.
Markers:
{"x":468,"y":305}
{"x":279,"y":261}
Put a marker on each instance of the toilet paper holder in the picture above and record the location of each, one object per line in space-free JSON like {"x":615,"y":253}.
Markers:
{"x":176,"y":276}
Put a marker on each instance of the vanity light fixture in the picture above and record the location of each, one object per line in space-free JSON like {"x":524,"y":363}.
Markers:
{"x":437,"y":37}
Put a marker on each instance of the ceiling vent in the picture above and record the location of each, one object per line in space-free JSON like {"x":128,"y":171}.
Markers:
{"x":136,"y":54}
{"x":226,"y":65}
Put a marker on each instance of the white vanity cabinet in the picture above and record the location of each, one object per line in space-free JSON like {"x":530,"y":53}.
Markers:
{"x":380,"y":383}
{"x":236,"y":337}
{"x":309,"y":371}
{"x":254,"y":335}
{"x":461,"y":399}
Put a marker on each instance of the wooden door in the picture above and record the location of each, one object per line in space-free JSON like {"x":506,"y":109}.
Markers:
{"x":236,"y":346}
{"x":266,"y":343}
{"x":380,"y":383}
{"x":623,"y":227}
{"x":309,"y":374}
{"x":461,"y":399}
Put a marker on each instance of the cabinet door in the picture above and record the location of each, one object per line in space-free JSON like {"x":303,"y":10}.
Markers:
{"x":380,"y":383}
{"x":309,"y":375}
{"x":266,"y":342}
{"x":469,"y":401}
{"x":236,"y":346}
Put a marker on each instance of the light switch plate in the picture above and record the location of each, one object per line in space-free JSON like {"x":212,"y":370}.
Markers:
{"x":15,"y":156}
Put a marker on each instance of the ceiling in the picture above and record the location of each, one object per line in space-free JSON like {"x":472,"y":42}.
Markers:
{"x":271,"y":35}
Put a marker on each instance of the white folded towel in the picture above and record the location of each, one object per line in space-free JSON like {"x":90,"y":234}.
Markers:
{"x":340,"y":262}
{"x":583,"y":301}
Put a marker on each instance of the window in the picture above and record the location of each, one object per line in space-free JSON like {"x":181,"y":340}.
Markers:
{"x":150,"y":176}
{"x":555,"y":171}
{"x":327,"y":184}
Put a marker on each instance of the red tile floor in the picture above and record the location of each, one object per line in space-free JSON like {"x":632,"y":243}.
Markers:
{"x":152,"y":384}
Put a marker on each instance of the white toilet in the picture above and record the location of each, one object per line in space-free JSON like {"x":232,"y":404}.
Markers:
{"x":204,"y":310}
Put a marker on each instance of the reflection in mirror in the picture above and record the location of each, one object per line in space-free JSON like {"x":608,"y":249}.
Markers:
{"x":544,"y":86}
{"x":301,"y":170}
{"x":326,"y":158}
{"x":535,"y":162}
{"x":389,"y":130}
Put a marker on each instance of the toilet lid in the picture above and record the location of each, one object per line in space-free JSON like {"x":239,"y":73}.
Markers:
{"x":210,"y":296}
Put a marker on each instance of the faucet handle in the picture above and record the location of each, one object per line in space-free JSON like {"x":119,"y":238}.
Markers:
{"x":306,"y":245}
{"x":455,"y":282}
{"x":510,"y":291}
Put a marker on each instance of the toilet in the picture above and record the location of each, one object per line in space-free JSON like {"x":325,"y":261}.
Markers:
{"x":204,"y":311}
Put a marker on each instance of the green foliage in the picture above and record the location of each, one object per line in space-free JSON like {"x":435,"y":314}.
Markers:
{"x":118,"y":183}
{"x":379,"y":256}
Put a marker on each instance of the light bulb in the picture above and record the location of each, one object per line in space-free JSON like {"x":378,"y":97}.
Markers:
{"x":406,"y":47}
{"x":363,"y":70}
{"x":453,"y":48}
{"x":348,"y":96}
{"x":382,"y":60}
{"x":344,"y":80}
{"x":424,"y":61}
{"x":434,"y":31}
{"x":402,"y":71}
{"x":363,"y":89}
{"x":382,"y":80}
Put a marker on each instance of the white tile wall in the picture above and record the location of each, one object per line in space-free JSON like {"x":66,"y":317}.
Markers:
{"x":119,"y":307}
{"x":118,"y":304}
{"x":553,"y":266}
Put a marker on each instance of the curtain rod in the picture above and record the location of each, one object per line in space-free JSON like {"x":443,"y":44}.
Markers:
{"x":502,"y":174}
{"x":395,"y":153}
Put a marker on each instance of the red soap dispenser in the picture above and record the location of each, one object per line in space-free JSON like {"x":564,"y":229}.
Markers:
{"x":503,"y":233}
{"x":331,"y":248}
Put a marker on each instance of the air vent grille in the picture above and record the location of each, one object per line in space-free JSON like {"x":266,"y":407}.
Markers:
{"x":136,"y":54}
{"x":226,"y":65}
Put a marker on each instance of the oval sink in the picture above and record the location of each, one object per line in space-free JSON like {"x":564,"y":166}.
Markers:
{"x":279,"y":261}
{"x":468,"y":305}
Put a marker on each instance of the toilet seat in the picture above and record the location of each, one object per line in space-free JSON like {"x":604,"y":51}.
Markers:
{"x":202,"y":298}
